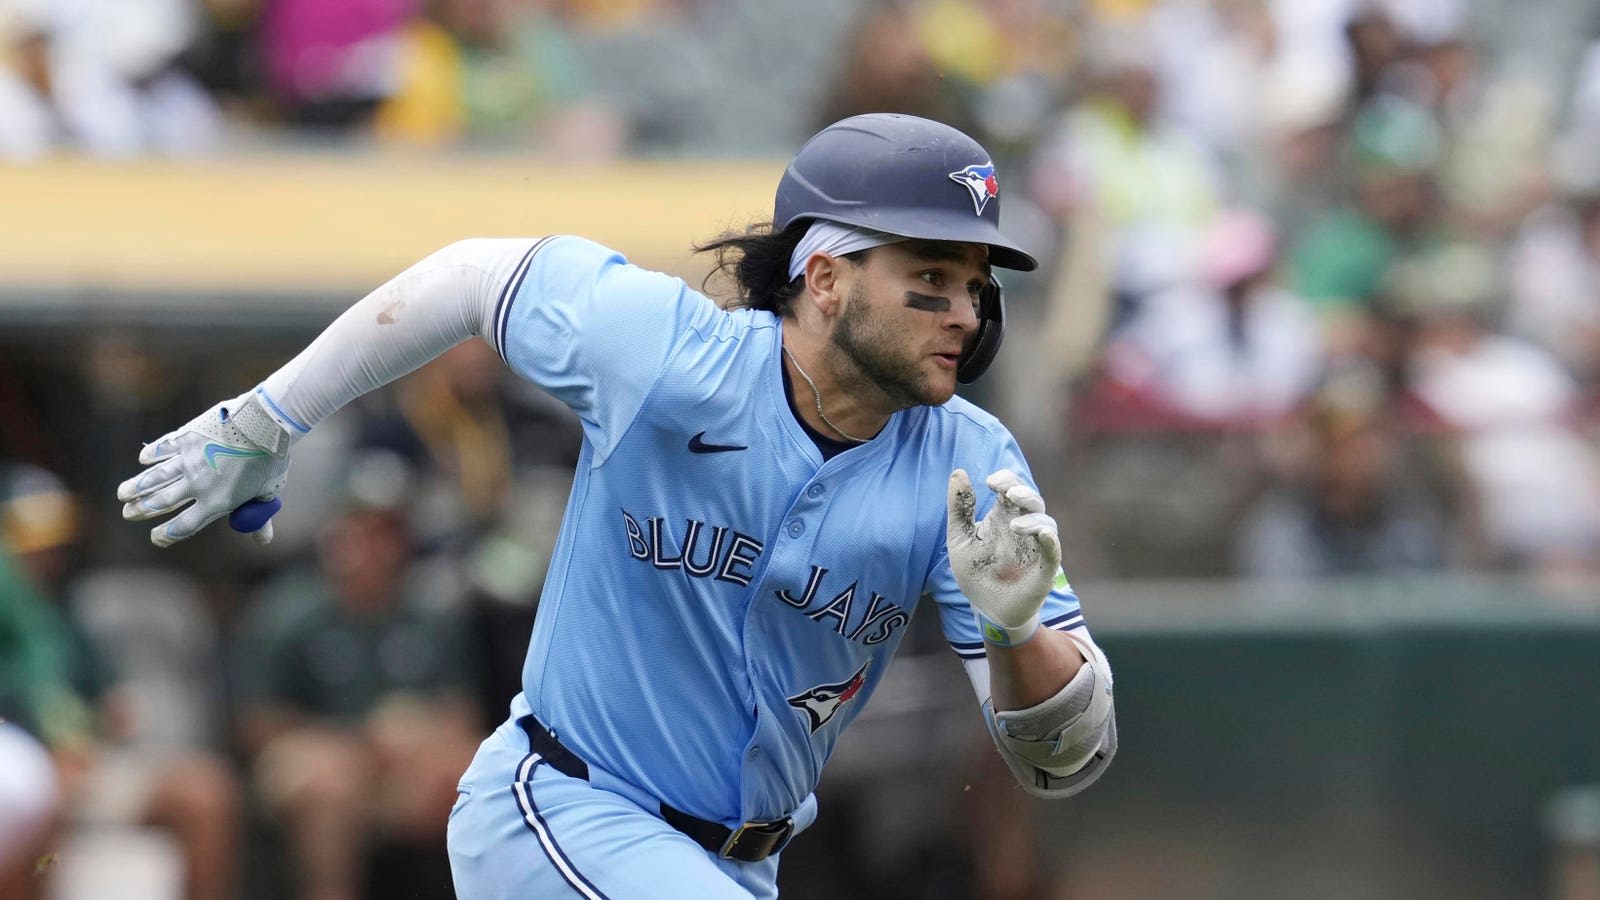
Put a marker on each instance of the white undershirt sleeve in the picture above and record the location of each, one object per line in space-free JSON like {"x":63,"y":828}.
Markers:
{"x":441,"y":301}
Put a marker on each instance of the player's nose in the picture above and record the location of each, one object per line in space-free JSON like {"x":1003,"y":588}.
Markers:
{"x":963,"y":313}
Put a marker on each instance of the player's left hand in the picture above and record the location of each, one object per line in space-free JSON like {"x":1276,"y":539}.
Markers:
{"x":1007,"y":563}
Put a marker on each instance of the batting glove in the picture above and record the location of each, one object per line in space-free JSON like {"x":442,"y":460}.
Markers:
{"x":1007,"y":563}
{"x":233,"y":457}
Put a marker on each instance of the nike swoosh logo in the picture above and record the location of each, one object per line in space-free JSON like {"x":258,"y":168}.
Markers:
{"x":212,"y":451}
{"x":697,"y":445}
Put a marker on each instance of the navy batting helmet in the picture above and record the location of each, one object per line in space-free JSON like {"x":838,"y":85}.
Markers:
{"x":911,"y":177}
{"x":902,"y":175}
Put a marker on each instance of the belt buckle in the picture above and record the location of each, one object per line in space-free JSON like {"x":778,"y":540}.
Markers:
{"x":755,"y":841}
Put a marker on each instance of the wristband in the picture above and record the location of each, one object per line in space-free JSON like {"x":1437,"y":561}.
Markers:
{"x":1005,"y":635}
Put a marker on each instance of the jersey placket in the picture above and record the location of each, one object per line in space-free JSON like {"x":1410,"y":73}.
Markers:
{"x":771,"y":752}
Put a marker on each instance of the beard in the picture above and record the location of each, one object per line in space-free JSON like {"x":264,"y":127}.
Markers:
{"x":880,"y":358}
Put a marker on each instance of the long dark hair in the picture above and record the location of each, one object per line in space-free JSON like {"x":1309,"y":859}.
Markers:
{"x":756,"y":260}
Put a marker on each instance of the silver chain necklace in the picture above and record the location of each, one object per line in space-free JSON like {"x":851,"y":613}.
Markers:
{"x":818,"y":394}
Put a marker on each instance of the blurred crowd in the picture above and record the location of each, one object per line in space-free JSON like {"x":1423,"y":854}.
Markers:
{"x":1353,"y":263}
{"x":1321,"y":299}
{"x":577,"y":80}
{"x":307,"y":742}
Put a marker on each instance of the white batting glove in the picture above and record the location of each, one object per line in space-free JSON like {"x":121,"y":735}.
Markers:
{"x":1007,"y":563}
{"x":227,"y":456}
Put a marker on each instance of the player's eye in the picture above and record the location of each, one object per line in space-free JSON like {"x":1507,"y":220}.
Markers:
{"x":934,"y":278}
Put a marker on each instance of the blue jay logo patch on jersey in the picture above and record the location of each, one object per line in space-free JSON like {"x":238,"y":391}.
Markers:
{"x":821,"y":702}
{"x":981,"y":182}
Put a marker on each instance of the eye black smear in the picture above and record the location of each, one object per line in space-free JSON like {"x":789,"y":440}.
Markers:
{"x":926,"y":303}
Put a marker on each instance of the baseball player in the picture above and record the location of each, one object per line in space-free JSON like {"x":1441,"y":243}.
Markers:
{"x":765,"y":494}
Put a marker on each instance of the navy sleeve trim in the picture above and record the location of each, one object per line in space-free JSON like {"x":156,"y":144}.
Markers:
{"x":968,"y":649}
{"x":1064,"y":621}
{"x":508,"y":296}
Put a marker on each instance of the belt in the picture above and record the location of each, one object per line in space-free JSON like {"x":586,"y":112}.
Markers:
{"x":750,"y":842}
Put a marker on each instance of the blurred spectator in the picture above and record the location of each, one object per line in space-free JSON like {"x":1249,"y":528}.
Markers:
{"x":1231,"y":348}
{"x":1352,"y":502}
{"x":28,"y":126}
{"x":504,"y":571}
{"x":1375,"y":44}
{"x":28,"y":806}
{"x":353,"y":701}
{"x":497,"y":71}
{"x":492,"y":458}
{"x":1131,"y":194}
{"x":1031,"y":69}
{"x":1339,"y":262}
{"x":469,"y":431}
{"x":330,"y":65}
{"x":428,"y":104}
{"x":709,"y":77}
{"x":1150,"y":185}
{"x":1584,"y":117}
{"x":1216,"y":62}
{"x":451,"y":422}
{"x":1510,"y":409}
{"x":1495,"y":128}
{"x":101,"y":76}
{"x":995,"y":69}
{"x":223,"y":56}
{"x":1293,"y":169}
{"x":65,"y":689}
{"x":888,"y":65}
{"x":1555,"y":282}
{"x":46,"y":723}
{"x":37,"y":691}
{"x":483,"y":463}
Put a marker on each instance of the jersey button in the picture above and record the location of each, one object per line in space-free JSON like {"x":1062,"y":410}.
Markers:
{"x":797,"y":528}
{"x":754,"y":752}
{"x":815,"y":491}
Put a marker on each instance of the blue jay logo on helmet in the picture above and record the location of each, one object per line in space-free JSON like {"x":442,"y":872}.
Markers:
{"x":981,"y":182}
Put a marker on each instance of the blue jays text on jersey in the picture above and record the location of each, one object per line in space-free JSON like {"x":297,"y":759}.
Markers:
{"x":721,"y":601}
{"x":734,"y":565}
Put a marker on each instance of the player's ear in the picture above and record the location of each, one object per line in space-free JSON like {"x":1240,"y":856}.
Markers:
{"x":825,"y":284}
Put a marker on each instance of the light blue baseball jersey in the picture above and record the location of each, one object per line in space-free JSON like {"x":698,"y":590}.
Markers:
{"x":721,"y":601}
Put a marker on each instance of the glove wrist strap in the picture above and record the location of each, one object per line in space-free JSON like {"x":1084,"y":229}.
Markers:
{"x":259,"y":426}
{"x":1005,"y":635}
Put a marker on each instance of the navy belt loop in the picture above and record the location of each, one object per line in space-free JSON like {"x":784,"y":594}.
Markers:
{"x":542,"y":741}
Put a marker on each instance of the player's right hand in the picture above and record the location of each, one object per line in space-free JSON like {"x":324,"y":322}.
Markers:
{"x":226,"y":457}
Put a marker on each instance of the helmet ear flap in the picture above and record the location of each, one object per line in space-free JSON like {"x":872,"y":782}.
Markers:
{"x":984,"y":345}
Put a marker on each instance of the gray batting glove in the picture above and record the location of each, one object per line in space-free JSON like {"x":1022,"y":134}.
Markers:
{"x":1007,"y":563}
{"x":230,"y":454}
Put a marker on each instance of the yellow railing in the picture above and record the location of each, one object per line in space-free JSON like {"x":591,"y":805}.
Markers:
{"x":298,"y":223}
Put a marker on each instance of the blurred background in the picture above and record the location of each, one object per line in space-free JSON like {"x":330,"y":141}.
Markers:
{"x":1309,"y":377}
